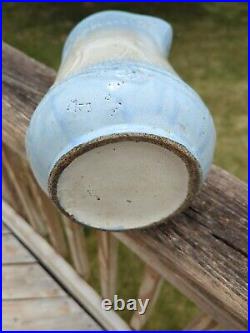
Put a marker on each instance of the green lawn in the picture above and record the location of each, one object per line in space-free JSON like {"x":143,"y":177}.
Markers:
{"x":209,"y":52}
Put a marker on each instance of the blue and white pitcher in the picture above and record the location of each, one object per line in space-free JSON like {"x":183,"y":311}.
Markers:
{"x":120,"y":141}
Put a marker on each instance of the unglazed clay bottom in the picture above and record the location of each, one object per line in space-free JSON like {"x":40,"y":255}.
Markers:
{"x":123,"y":185}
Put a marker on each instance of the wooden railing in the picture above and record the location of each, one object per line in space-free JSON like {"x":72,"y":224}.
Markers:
{"x":202,"y":252}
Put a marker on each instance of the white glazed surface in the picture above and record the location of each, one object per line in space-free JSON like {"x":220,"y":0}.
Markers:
{"x":107,"y":45}
{"x":123,"y":185}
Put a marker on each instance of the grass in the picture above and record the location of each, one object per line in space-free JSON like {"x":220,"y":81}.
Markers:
{"x":209,"y":52}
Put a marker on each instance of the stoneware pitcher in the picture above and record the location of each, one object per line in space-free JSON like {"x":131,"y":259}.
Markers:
{"x":120,"y":141}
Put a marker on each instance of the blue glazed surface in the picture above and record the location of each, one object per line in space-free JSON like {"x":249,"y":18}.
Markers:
{"x":158,"y":30}
{"x":119,"y":97}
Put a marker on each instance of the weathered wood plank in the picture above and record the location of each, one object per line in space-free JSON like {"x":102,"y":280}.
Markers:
{"x":201,"y":322}
{"x":22,"y":91}
{"x":21,"y":187}
{"x":192,"y":252}
{"x":22,"y":191}
{"x":60,"y":313}
{"x":107,"y":256}
{"x":28,"y":281}
{"x":77,"y":245}
{"x":13,"y":252}
{"x":37,"y":312}
{"x":5,"y":230}
{"x":149,"y":289}
{"x":8,"y":188}
{"x":203,"y":251}
{"x":61,"y":270}
{"x":49,"y":216}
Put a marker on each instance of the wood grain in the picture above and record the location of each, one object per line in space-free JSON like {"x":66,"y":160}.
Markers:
{"x":25,"y":82}
{"x":22,"y":191}
{"x":202,"y":322}
{"x":107,"y":257}
{"x":60,"y":313}
{"x":13,"y":252}
{"x":77,"y":245}
{"x":203,"y":251}
{"x":22,"y":281}
{"x":33,"y":300}
{"x":149,"y":289}
{"x":5,"y":230}
{"x":61,"y":270}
